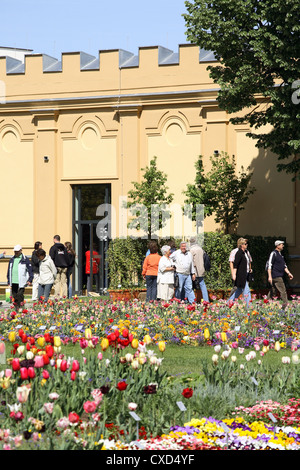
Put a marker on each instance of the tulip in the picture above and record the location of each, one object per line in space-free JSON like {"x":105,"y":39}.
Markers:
{"x":100,"y":356}
{"x":24,"y":373}
{"x":57,"y":341}
{"x":75,"y":366}
{"x":277,"y":346}
{"x":161,"y":346}
{"x":41,"y":341}
{"x":88,"y":333}
{"x":215,"y":358}
{"x":73,"y":417}
{"x":22,"y":393}
{"x":223,"y":337}
{"x":31,"y":372}
{"x":134,"y":343}
{"x":15,"y":364}
{"x":12,"y":336}
{"x":73,"y":375}
{"x":147,"y":339}
{"x":21,"y":350}
{"x":63,"y":365}
{"x":39,"y":361}
{"x":206,"y":333}
{"x":104,"y":344}
{"x":217,"y":348}
{"x":132,"y":406}
{"x":135,"y":364}
{"x":45,"y":374}
{"x":2,"y":348}
{"x":49,"y":351}
{"x":29,"y":355}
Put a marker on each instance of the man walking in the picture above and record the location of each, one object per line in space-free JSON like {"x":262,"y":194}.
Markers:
{"x":276,"y":269}
{"x":198,"y":260}
{"x":59,"y":255}
{"x":186,"y":273}
{"x":19,"y":275}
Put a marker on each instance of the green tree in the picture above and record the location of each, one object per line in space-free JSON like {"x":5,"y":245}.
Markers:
{"x":149,"y":201}
{"x":223,"y":191}
{"x":257,"y":45}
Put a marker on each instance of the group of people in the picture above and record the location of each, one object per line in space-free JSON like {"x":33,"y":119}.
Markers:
{"x":173,"y":273}
{"x":42,"y":271}
{"x":176,"y":272}
{"x":46,"y":271}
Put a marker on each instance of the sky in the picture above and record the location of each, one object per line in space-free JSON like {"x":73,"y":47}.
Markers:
{"x":57,"y":26}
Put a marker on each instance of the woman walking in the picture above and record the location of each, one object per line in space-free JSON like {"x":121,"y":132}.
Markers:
{"x":150,"y":270}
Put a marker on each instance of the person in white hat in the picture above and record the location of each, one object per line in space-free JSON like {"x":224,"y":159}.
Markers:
{"x":276,"y":268}
{"x":19,"y":275}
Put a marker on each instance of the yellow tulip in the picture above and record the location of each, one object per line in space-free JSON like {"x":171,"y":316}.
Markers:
{"x":161,"y":346}
{"x":12,"y":336}
{"x":134,"y":343}
{"x":41,"y":341}
{"x":223,"y":337}
{"x":206,"y":333}
{"x":147,"y":339}
{"x":88,"y":333}
{"x":57,"y":341}
{"x":277,"y":346}
{"x":104,"y":344}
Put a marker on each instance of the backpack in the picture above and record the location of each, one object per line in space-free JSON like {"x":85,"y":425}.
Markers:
{"x":206,"y":260}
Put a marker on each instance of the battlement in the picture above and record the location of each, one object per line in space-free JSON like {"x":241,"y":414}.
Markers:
{"x":112,"y":73}
{"x":126,"y":59}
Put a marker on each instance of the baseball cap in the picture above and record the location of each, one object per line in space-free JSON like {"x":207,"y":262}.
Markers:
{"x":278,"y":242}
{"x":17,"y":248}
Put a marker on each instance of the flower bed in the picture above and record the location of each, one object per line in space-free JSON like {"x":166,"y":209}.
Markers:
{"x":118,"y":397}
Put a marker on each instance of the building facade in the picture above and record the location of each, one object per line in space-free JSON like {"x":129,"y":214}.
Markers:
{"x":76,"y":132}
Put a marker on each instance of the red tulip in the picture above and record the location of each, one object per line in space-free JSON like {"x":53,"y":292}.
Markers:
{"x":45,"y":374}
{"x":187,"y":392}
{"x":63,"y":365}
{"x":31,"y":372}
{"x":73,"y":375}
{"x":122,"y":385}
{"x":49,"y":351}
{"x":125,"y":333}
{"x":15,"y":364}
{"x":75,"y":366}
{"x":73,"y":417}
{"x":46,"y":359}
{"x":24,"y":373}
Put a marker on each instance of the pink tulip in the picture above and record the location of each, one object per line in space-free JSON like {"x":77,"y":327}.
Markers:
{"x":8,"y":372}
{"x":45,"y":374}
{"x":39,"y":361}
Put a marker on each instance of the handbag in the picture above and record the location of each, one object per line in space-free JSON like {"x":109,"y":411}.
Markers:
{"x":250,"y":277}
{"x":176,"y":280}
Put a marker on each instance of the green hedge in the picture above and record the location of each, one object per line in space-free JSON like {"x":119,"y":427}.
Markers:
{"x":125,"y":259}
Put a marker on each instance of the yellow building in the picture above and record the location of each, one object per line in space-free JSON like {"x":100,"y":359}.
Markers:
{"x":75,"y":133}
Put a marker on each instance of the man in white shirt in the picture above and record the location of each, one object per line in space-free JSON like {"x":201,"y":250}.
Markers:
{"x":185,"y":270}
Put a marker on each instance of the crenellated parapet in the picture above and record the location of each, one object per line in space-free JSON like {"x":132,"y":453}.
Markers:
{"x":86,"y":61}
{"x":112,"y":72}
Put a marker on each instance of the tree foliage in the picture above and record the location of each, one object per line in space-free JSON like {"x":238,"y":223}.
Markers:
{"x":257,"y":45}
{"x":149,"y":200}
{"x":223,"y":191}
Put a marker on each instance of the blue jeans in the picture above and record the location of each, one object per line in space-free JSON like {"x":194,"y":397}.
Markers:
{"x":185,"y":289}
{"x":151,"y":284}
{"x":203,"y":288}
{"x":44,"y":291}
{"x":246,"y":292}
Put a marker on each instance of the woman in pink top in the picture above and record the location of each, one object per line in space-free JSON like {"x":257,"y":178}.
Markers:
{"x":150,"y":270}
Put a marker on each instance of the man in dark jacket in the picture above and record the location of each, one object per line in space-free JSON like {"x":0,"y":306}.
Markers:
{"x":239,"y":274}
{"x":59,"y":255}
{"x":276,"y":269}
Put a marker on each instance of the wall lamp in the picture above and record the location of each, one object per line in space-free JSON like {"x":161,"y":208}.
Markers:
{"x":46,"y":159}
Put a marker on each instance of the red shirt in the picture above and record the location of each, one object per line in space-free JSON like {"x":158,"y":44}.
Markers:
{"x":96,"y":262}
